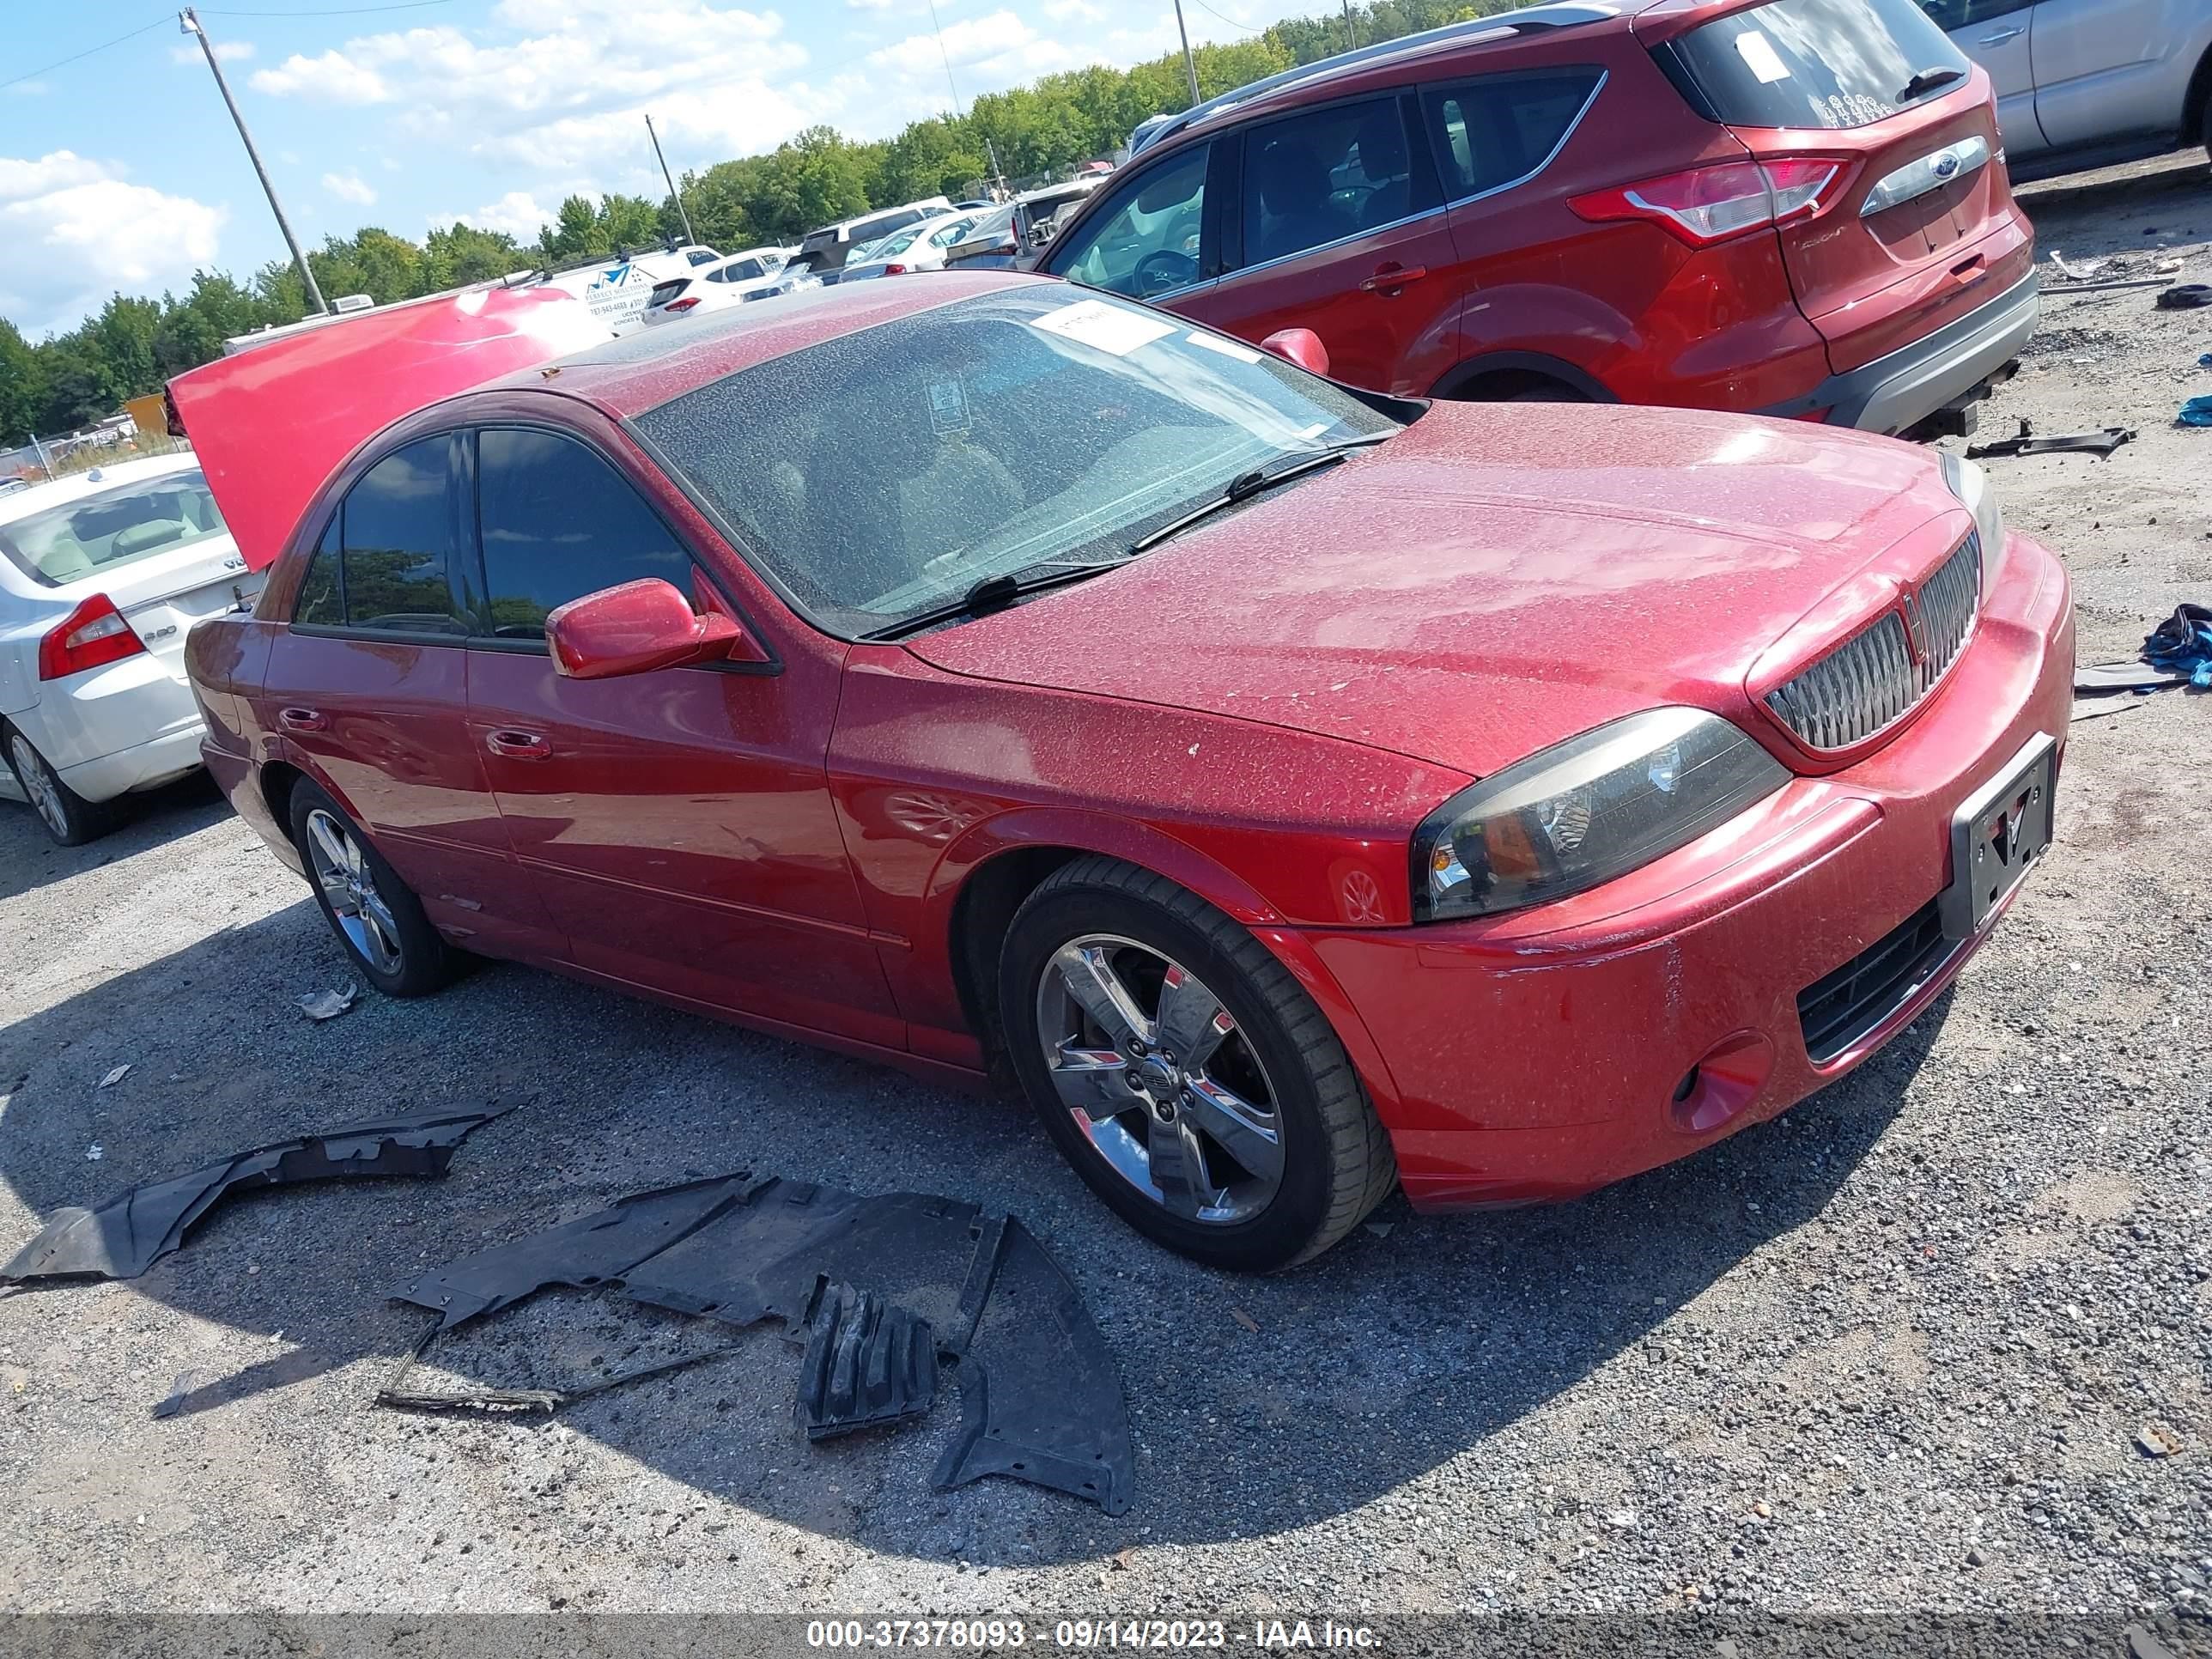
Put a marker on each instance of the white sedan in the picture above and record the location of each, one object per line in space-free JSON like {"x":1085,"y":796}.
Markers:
{"x":729,"y":282}
{"x":918,"y":247}
{"x":101,"y":576}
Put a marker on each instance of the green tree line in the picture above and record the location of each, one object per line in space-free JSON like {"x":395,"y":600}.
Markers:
{"x":133,"y":343}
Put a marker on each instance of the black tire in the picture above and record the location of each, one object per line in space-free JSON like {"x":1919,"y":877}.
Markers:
{"x":387,"y":912}
{"x":1336,"y":1158}
{"x":62,"y":813}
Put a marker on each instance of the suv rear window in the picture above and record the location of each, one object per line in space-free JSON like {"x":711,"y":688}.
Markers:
{"x":1817,"y":63}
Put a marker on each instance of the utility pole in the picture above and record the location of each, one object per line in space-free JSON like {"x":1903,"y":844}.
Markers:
{"x":1189,"y":63}
{"x":674,"y":195}
{"x":1351,"y":35}
{"x":191,"y":24}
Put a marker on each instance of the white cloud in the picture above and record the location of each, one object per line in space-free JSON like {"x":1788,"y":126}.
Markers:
{"x":1074,"y":11}
{"x":517,"y":213}
{"x":72,"y":231}
{"x":565,"y":93}
{"x":332,"y":77}
{"x":228,"y":51}
{"x":971,"y":41}
{"x":350,"y":187}
{"x":26,"y":90}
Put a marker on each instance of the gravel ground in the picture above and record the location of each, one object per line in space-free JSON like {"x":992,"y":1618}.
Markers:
{"x":1936,"y":1339}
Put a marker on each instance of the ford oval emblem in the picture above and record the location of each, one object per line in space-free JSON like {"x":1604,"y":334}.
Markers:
{"x":1946,"y":166}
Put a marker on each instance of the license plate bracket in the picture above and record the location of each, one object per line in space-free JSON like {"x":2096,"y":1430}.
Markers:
{"x":1997,"y":836}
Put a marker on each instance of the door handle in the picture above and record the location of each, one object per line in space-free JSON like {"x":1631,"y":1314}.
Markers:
{"x":518,"y":745}
{"x":1389,"y":279}
{"x":302,"y":719}
{"x":1998,"y":37}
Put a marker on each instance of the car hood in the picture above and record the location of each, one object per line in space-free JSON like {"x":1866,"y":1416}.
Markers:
{"x":1497,"y":578}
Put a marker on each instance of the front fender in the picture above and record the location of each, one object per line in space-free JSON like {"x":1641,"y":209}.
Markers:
{"x":1081,"y":830}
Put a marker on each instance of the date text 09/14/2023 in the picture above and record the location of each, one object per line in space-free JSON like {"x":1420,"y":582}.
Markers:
{"x":1088,"y":1633}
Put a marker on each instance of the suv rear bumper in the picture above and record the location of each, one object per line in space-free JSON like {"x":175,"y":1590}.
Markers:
{"x":1903,"y":389}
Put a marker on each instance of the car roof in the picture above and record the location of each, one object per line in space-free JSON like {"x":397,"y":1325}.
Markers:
{"x":1298,"y":85}
{"x":76,"y":486}
{"x":641,"y":371}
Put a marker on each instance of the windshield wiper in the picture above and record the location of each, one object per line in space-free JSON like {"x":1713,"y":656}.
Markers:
{"x":1926,"y":81}
{"x":1245,"y":485}
{"x":994,"y":593}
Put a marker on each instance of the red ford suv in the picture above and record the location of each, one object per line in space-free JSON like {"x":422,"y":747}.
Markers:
{"x":1797,"y":208}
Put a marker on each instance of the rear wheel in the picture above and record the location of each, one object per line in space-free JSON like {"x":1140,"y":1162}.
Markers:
{"x":378,"y":919}
{"x":1184,"y":1072}
{"x":68,"y":818}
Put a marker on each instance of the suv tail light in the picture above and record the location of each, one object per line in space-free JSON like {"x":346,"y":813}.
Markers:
{"x":894,"y":271}
{"x":1710,"y":205}
{"x":92,"y":634}
{"x":684,"y":304}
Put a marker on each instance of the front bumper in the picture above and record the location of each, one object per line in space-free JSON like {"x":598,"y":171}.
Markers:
{"x":1912,"y":383}
{"x":1538,"y":1055}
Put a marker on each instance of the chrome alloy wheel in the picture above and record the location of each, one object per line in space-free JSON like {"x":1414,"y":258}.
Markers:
{"x":43,"y":787}
{"x":342,"y":872}
{"x":1160,"y":1079}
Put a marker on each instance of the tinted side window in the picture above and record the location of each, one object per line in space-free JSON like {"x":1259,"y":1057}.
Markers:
{"x":558,"y":523}
{"x":1492,"y":132}
{"x":1147,"y":242}
{"x":321,"y":604}
{"x":1315,"y":179}
{"x":1818,"y":63}
{"x":400,"y":542}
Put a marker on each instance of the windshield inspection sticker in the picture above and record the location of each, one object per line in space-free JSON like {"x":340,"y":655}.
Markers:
{"x":1760,"y":57}
{"x":948,"y":408}
{"x":1242,"y":353}
{"x":1103,"y":327}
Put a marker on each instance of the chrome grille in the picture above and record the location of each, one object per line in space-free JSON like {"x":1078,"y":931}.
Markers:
{"x":1873,"y":679}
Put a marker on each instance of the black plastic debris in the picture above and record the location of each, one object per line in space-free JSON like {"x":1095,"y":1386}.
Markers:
{"x":1039,"y":1398}
{"x":867,"y":1364}
{"x":2102,"y":442}
{"x":130,"y":1232}
{"x":2186,"y":296}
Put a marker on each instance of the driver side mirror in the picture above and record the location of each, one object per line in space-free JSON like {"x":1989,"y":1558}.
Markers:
{"x":1301,"y":346}
{"x":637,"y":627}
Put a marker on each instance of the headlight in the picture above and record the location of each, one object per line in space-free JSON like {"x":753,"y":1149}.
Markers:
{"x":1585,"y":810}
{"x":1972,"y":486}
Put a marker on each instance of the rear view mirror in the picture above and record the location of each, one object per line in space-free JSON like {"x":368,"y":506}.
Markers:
{"x":1301,"y":346}
{"x":635,"y":628}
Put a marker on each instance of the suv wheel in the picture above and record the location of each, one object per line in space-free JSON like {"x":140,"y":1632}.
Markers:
{"x":1180,"y":1068}
{"x":378,"y":919}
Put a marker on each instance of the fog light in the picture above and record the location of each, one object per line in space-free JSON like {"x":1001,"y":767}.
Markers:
{"x":1721,"y":1084}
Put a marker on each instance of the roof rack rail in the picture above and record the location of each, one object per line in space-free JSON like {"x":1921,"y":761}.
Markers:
{"x":1567,"y":14}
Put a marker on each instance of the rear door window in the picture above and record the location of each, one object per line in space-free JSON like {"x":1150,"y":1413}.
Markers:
{"x":322,"y":602}
{"x":558,"y":522}
{"x":1503,"y":128}
{"x":399,"y":529}
{"x":1818,"y":63}
{"x":1146,"y":243}
{"x":1319,"y":178}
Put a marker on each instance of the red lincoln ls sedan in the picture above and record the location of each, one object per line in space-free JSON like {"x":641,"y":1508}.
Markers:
{"x":1299,"y":790}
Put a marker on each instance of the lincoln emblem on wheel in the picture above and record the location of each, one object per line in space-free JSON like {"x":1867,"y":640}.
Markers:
{"x":1378,"y":863}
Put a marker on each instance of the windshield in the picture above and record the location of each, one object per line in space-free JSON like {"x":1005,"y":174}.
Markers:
{"x":94,"y":534}
{"x":1033,"y":426}
{"x":892,"y":246}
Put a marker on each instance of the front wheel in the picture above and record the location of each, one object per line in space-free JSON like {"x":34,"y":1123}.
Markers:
{"x":376,"y":917}
{"x":1184,"y":1072}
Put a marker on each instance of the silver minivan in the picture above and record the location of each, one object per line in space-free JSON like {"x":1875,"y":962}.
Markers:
{"x":2086,"y":83}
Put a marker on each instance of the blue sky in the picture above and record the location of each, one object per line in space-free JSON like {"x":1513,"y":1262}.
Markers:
{"x":121,"y":170}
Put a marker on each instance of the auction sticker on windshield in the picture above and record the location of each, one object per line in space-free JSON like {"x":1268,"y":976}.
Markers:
{"x":1107,"y":328}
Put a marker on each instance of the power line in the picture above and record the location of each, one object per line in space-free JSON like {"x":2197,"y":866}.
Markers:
{"x":19,"y":79}
{"x":339,"y":11}
{"x":1242,"y":29}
